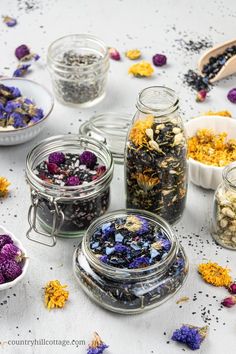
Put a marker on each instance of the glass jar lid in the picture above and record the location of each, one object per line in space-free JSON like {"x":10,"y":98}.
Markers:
{"x":111,"y":129}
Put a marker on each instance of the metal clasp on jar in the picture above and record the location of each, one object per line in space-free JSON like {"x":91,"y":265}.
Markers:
{"x":58,"y":218}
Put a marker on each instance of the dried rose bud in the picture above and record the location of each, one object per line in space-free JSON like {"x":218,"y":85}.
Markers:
{"x":22,"y":51}
{"x":229,"y":301}
{"x":159,"y":59}
{"x":232,"y":95}
{"x":114,"y":54}
{"x":52,"y":168}
{"x":201,"y":96}
{"x":232,"y":288}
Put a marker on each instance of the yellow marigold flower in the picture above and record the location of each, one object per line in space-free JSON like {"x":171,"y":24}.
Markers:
{"x":143,"y":68}
{"x":138,"y":132}
{"x":214,"y":274}
{"x":4,"y":184}
{"x":55,"y":295}
{"x":219,"y":113}
{"x":133,"y":54}
{"x":146,"y":182}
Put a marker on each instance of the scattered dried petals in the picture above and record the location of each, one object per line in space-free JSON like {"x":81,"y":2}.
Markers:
{"x":133,"y":54}
{"x":97,"y":346}
{"x":141,"y":69}
{"x":219,"y":113}
{"x":21,"y":70}
{"x":229,"y":301}
{"x":159,"y":59}
{"x":114,"y":54}
{"x":9,"y":21}
{"x":201,"y":96}
{"x":232,"y":95}
{"x":55,"y":295}
{"x":182,"y":299}
{"x":214,"y":274}
{"x":4,"y":184}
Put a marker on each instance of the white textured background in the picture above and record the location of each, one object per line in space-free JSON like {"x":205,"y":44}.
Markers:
{"x":152,"y":26}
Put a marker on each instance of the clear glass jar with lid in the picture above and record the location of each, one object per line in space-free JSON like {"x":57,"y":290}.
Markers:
{"x":78,"y":65}
{"x":66,"y":210}
{"x":138,"y":287}
{"x":156,"y":155}
{"x":224,"y":209}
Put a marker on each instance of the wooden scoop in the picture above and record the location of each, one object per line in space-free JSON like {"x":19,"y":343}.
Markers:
{"x":227,"y":69}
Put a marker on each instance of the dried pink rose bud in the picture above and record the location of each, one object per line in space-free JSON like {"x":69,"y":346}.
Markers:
{"x":159,"y":59}
{"x":229,"y":301}
{"x":201,"y":96}
{"x":232,"y":288}
{"x":22,"y":51}
{"x":52,"y":168}
{"x":114,"y":54}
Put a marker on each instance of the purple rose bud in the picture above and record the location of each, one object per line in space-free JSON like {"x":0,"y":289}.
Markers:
{"x":88,"y":158}
{"x":73,"y":181}
{"x":159,"y":59}
{"x":4,"y":239}
{"x":232,"y":95}
{"x":11,"y":269}
{"x":22,"y":51}
{"x":114,"y":54}
{"x":56,"y":157}
{"x":52,"y":168}
{"x":232,"y":288}
{"x":2,"y":279}
{"x":201,"y":96}
{"x":229,"y":301}
{"x":11,"y":251}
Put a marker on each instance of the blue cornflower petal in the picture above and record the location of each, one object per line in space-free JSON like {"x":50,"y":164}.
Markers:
{"x":119,"y":238}
{"x":95,"y":245}
{"x":22,"y":70}
{"x":109,"y":250}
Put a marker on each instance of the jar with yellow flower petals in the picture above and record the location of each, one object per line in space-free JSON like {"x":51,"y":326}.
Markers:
{"x":155,"y":156}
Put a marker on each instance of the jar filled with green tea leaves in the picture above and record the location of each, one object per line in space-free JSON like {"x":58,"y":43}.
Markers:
{"x":155,"y":156}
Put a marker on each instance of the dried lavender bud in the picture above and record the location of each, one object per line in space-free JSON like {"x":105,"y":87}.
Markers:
{"x":11,"y":251}
{"x":232,"y":95}
{"x":11,"y":269}
{"x":88,"y":158}
{"x":22,"y":51}
{"x":159,"y":59}
{"x":5,"y":239}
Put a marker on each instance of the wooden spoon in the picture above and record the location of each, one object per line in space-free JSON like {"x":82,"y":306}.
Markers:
{"x":227,"y":69}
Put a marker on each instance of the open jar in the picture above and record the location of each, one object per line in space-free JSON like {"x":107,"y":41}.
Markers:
{"x":224,"y":209}
{"x":67,"y":192}
{"x":156,"y":155}
{"x":130,"y":261}
{"x":78,"y":65}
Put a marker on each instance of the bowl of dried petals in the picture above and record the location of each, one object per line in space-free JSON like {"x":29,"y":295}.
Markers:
{"x":211,"y":147}
{"x":13,"y":260}
{"x":25,"y":107}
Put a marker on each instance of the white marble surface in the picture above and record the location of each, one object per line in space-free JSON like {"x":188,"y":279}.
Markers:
{"x":152,"y":26}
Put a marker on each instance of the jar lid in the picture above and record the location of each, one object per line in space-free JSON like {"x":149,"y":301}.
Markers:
{"x":110,"y":128}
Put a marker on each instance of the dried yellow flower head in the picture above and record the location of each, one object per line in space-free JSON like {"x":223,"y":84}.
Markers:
{"x":55,"y":295}
{"x":214,"y":274}
{"x":133,"y":54}
{"x":143,"y":68}
{"x":4,"y":184}
{"x":219,"y":113}
{"x":138,"y":132}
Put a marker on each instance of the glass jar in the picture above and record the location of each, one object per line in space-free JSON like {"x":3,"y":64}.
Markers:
{"x":224,"y":209}
{"x":66,"y":211}
{"x":130,"y":291}
{"x":78,"y":65}
{"x":155,"y":156}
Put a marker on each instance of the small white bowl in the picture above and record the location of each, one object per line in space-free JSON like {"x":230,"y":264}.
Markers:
{"x":12,"y":283}
{"x":202,"y":175}
{"x":41,"y":97}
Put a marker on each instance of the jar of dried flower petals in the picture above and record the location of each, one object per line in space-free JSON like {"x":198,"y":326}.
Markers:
{"x":69,"y":178}
{"x":155,"y":157}
{"x":224,"y":209}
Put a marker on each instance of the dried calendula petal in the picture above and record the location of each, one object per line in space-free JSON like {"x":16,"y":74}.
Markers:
{"x":138,"y":132}
{"x":218,"y":113}
{"x":133,"y":54}
{"x":4,"y":184}
{"x":214,"y":274}
{"x":55,"y":295}
{"x":141,"y":69}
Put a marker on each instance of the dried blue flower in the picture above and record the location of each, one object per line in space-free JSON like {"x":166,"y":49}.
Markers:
{"x":95,"y":245}
{"x":192,"y":336}
{"x":144,"y":226}
{"x":104,"y":259}
{"x":22,"y":70}
{"x":36,"y":57}
{"x":109,"y":250}
{"x":11,"y":106}
{"x":140,"y":262}
{"x":18,"y":120}
{"x":119,"y":237}
{"x":22,"y":51}
{"x":120,"y":248}
{"x":9,"y":21}
{"x":5,"y":239}
{"x":97,"y":346}
{"x":88,"y":158}
{"x":57,"y":158}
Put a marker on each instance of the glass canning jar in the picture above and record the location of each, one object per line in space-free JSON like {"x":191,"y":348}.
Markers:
{"x":224,"y":209}
{"x":78,"y":65}
{"x":130,"y":291}
{"x":155,"y":156}
{"x":66,"y":211}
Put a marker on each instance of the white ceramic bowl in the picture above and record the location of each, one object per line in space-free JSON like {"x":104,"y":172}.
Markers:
{"x":202,"y":175}
{"x":41,"y":97}
{"x":10,"y":284}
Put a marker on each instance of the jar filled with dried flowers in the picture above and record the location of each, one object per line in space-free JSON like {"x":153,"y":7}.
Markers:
{"x":224,"y":209}
{"x":130,"y":261}
{"x":155,"y":157}
{"x":69,"y":178}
